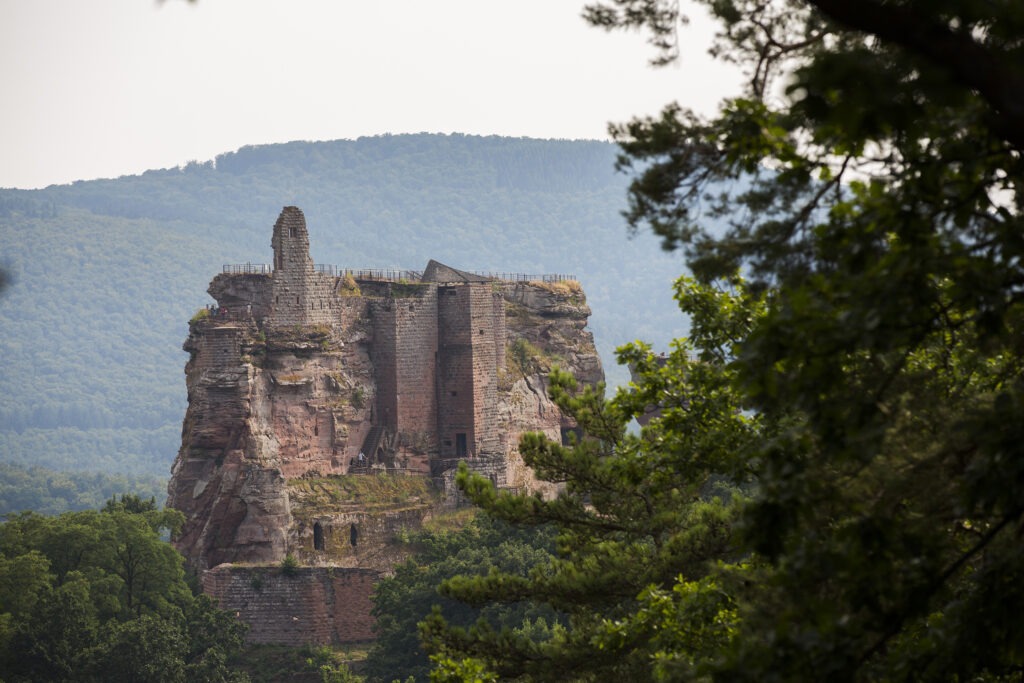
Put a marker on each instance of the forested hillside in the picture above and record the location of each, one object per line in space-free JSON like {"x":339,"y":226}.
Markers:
{"x":107,"y":273}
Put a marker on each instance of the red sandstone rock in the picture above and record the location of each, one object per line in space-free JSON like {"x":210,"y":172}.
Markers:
{"x":300,"y":371}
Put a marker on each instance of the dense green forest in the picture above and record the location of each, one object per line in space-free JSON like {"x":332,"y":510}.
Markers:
{"x":48,"y":492}
{"x":106,"y":273}
{"x":98,"y":596}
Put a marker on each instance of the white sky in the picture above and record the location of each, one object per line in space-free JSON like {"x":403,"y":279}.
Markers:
{"x":103,"y":88}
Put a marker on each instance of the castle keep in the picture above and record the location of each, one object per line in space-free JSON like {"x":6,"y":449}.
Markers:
{"x":312,"y":389}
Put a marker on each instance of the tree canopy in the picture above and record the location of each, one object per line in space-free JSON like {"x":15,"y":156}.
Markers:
{"x":411,"y":594}
{"x":869,"y":175}
{"x":98,"y":596}
{"x":646,"y":521}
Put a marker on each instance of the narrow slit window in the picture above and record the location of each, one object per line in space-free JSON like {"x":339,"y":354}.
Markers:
{"x":318,"y":536}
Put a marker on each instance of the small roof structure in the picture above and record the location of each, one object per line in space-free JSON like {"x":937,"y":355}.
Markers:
{"x":438,"y":272}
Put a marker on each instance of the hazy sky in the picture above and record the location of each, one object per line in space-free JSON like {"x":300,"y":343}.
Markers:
{"x":102,"y":88}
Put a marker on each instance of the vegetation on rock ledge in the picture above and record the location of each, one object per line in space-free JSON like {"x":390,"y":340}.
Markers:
{"x":312,"y":496}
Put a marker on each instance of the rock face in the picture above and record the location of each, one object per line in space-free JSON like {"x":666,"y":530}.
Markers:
{"x":314,"y":394}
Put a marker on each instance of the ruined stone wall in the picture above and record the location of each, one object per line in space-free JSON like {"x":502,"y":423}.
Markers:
{"x":455,"y":372}
{"x":385,"y":361}
{"x":416,"y":346}
{"x":405,"y":350}
{"x":470,"y":315}
{"x":371,"y":546}
{"x":301,"y":296}
{"x":218,"y":349}
{"x":314,"y":605}
{"x":484,"y":308}
{"x":321,"y":299}
{"x":500,"y":328}
{"x":281,"y":402}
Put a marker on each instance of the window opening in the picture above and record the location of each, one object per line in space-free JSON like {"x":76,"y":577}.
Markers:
{"x":460,"y":446}
{"x":318,"y":537}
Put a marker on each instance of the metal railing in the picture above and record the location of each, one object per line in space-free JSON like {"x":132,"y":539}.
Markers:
{"x":383,"y":274}
{"x":239,"y":268}
{"x":394,"y":274}
{"x":526,"y":277}
{"x":215,"y":314}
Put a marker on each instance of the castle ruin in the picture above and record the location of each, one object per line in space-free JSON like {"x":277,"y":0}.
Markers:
{"x":305,"y":381}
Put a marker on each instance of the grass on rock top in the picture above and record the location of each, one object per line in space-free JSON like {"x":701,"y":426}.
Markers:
{"x":340,"y":493}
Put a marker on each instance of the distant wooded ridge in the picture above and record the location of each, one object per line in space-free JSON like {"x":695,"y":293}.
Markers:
{"x":106,"y":273}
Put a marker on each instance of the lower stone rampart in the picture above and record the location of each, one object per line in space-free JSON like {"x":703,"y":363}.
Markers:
{"x":308,"y":605}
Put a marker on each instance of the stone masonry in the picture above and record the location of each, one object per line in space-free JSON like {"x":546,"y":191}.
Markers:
{"x":329,"y":409}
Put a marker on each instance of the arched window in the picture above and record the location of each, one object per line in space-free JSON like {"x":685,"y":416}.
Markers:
{"x":318,"y":537}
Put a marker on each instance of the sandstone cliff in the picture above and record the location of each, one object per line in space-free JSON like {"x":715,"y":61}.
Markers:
{"x":327,"y":411}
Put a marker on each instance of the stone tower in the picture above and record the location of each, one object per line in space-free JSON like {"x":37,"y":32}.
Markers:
{"x":300,"y":295}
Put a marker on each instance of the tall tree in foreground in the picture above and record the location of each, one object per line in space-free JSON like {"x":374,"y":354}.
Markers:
{"x":877,"y":147}
{"x":870,"y":175}
{"x":645,"y":521}
{"x":409,"y":596}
